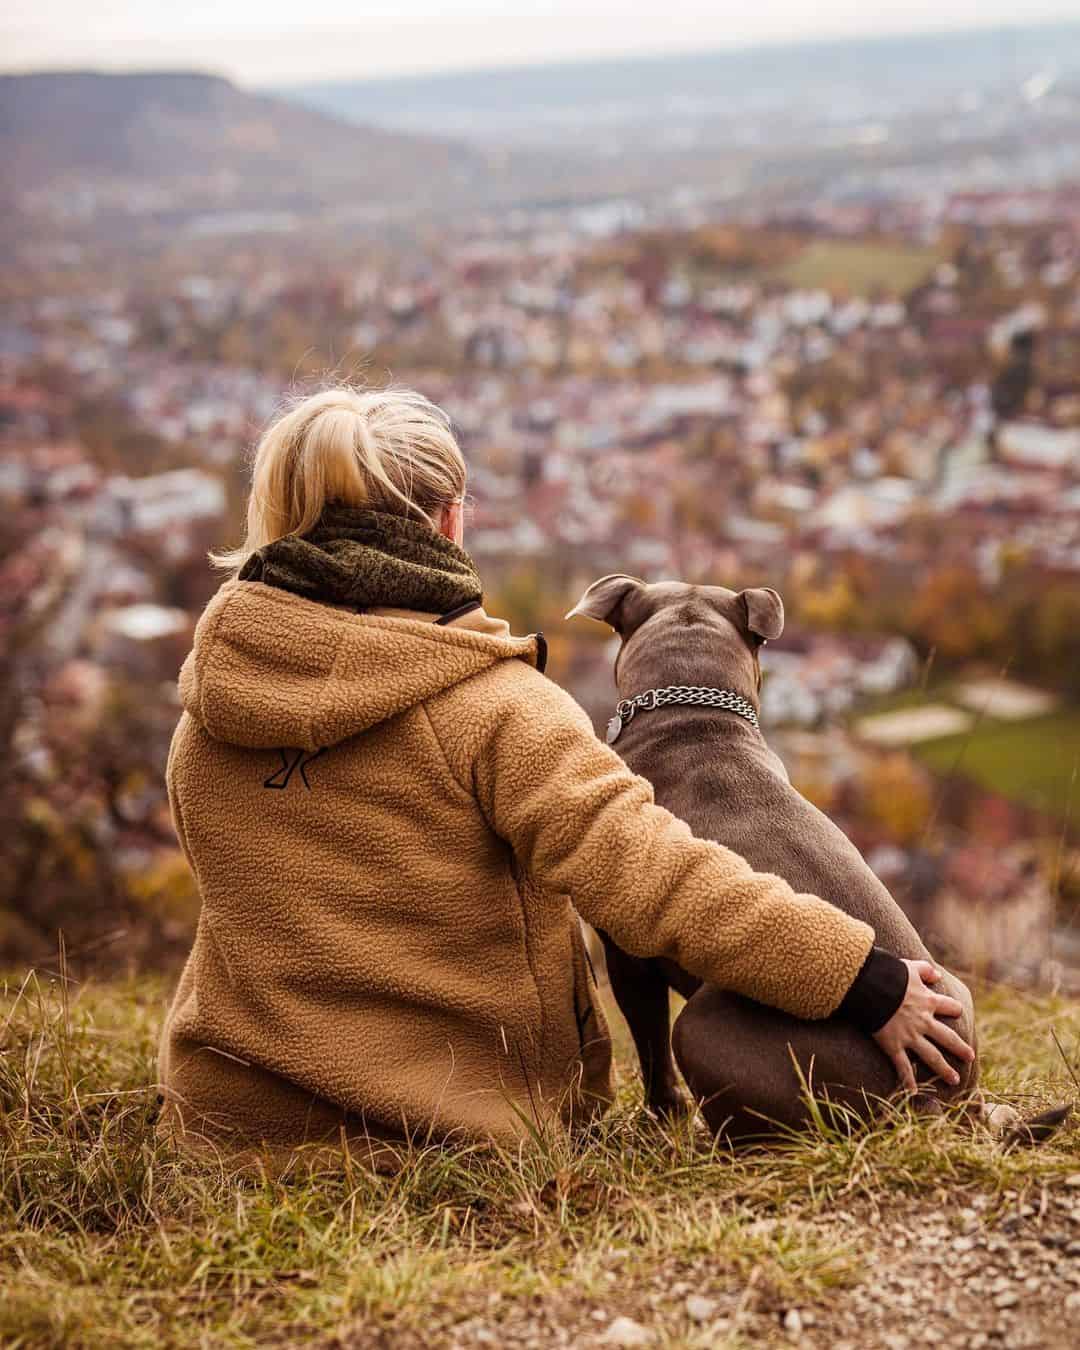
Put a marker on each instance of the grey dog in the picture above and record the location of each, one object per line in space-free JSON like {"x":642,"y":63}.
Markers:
{"x":747,"y":1064}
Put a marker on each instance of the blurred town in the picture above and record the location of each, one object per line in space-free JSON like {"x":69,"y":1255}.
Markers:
{"x":869,"y":402}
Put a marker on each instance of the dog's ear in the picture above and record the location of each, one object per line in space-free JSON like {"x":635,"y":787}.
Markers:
{"x":764,"y":612}
{"x":604,"y":599}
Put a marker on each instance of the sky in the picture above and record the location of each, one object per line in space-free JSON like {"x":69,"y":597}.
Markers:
{"x":282,"y":41}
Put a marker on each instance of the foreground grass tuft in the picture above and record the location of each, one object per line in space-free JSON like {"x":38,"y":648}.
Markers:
{"x":106,"y":1237}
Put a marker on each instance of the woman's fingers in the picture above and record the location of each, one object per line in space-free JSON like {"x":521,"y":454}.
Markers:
{"x":914,"y":1028}
{"x":944,"y":1006}
{"x":934,"y":1060}
{"x":904,"y":1071}
{"x":951,"y":1040}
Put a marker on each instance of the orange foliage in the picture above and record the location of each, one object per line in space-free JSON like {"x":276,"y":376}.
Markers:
{"x":898,"y":797}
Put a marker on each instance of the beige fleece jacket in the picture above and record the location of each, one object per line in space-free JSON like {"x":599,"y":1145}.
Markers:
{"x":391,"y":824}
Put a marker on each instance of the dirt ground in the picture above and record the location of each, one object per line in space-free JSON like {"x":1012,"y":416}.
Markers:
{"x":986,"y":1275}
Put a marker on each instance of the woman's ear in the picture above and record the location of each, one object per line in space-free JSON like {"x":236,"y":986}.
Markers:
{"x":604,"y":599}
{"x":764,"y":612}
{"x":452,"y":522}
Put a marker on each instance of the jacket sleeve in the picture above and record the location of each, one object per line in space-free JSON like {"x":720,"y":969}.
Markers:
{"x":583,"y":825}
{"x":876,"y":992}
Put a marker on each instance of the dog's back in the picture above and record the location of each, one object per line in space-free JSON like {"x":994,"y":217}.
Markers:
{"x":734,"y":789}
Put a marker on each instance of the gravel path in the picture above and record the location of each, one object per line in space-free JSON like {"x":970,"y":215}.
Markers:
{"x":1001,"y":1272}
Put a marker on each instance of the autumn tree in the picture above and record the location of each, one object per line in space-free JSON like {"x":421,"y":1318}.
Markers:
{"x":898,"y":797}
{"x":953,"y":613}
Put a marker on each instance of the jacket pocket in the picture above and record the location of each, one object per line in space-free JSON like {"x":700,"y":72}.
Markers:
{"x":584,"y":985}
{"x":595,"y":1090}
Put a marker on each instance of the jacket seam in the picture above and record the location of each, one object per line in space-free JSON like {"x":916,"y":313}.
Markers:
{"x":445,"y":757}
{"x":517,"y":875}
{"x":468,"y":789}
{"x":520,"y":879}
{"x":316,"y":714}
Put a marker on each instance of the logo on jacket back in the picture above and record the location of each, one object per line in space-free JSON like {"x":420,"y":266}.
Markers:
{"x":291,"y":760}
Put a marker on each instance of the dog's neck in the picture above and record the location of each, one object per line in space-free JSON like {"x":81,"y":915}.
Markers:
{"x":736,"y":726}
{"x":740,"y":747}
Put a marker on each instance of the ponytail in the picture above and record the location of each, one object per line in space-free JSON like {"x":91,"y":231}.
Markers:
{"x":388,"y":449}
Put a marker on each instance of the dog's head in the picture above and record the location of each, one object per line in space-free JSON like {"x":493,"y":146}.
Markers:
{"x":674,"y":633}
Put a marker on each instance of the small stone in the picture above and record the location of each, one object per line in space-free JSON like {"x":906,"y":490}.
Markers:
{"x":1073,"y":1249}
{"x":1008,"y":1299}
{"x":1073,"y":1179}
{"x":793,"y":1322}
{"x":699,"y":1308}
{"x":627,"y":1333}
{"x":895,"y":1342}
{"x":978,"y":1341}
{"x":1072,"y":1301}
{"x":963,"y":1244}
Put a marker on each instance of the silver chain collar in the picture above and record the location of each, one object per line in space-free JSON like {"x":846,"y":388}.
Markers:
{"x":695,"y":695}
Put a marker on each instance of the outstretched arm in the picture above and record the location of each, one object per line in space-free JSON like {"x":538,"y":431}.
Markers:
{"x":583,"y":825}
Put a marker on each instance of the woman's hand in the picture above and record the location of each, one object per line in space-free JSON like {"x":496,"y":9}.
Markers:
{"x":914,"y":1028}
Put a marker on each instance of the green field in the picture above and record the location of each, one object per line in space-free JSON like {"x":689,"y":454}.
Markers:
{"x":847,"y":265}
{"x":1036,"y":761}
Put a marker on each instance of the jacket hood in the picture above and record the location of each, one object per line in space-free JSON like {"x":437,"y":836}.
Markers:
{"x":269,"y":668}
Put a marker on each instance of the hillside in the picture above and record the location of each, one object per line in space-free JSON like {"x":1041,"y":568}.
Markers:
{"x":182,"y":140}
{"x":914,"y":1232}
{"x":831,"y":118}
{"x":709,"y":92}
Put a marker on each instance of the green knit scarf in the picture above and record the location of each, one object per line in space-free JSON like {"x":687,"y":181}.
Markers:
{"x":363,"y":558}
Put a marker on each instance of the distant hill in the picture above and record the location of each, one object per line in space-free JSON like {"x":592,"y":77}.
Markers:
{"x":938,"y":112}
{"x":709,"y":97}
{"x":187,"y":140}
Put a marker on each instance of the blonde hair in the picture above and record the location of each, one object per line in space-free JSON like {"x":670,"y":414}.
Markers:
{"x":386,"y":449}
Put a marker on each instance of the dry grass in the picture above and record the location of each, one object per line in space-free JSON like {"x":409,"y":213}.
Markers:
{"x":106,"y":1238}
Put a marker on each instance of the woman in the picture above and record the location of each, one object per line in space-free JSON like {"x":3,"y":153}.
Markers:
{"x":394,"y":819}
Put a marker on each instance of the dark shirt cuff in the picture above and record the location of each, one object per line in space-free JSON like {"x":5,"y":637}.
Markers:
{"x":876,"y":992}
